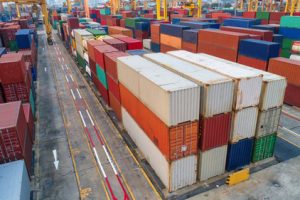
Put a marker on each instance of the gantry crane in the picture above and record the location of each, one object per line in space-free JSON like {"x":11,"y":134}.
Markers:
{"x":291,"y":6}
{"x":43,"y":5}
{"x":252,"y":5}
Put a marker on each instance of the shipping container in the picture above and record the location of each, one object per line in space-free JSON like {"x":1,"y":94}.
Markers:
{"x":118,"y":44}
{"x":264,"y":147}
{"x":273,"y":87}
{"x":292,"y":95}
{"x":14,"y":181}
{"x":29,"y":119}
{"x":174,"y":142}
{"x":247,"y":83}
{"x":91,"y":47}
{"x":267,"y":122}
{"x":243,"y":124}
{"x":216,"y":89}
{"x":99,"y":54}
{"x":111,"y":63}
{"x":212,"y":162}
{"x":239,"y":154}
{"x":265,"y":34}
{"x":172,"y":98}
{"x":253,"y":62}
{"x":174,"y":175}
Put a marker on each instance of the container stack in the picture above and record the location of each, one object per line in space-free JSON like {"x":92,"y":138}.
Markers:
{"x":190,"y":40}
{"x":91,"y":67}
{"x":223,"y":44}
{"x":256,"y":53}
{"x":110,"y":61}
{"x":215,"y":111}
{"x":16,"y":142}
{"x":263,"y":34}
{"x":120,"y":30}
{"x":131,"y":43}
{"x":291,"y":70}
{"x":152,"y":113}
{"x":290,"y":29}
{"x":8,"y":36}
{"x":155,"y":37}
{"x":263,"y":16}
{"x":245,"y":105}
{"x":142,"y":30}
{"x":275,"y":17}
{"x":80,"y":36}
{"x":171,"y":36}
{"x":118,"y":44}
{"x":99,"y":78}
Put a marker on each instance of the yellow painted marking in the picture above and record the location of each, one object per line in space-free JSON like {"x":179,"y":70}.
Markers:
{"x":238,"y":177}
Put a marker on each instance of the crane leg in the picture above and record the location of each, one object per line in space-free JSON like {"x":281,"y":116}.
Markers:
{"x":46,"y":21}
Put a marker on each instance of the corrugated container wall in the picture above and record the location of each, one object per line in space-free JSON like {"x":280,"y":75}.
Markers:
{"x":247,"y":83}
{"x":273,"y":87}
{"x":243,"y":124}
{"x":172,"y":98}
{"x":216,"y":90}
{"x":177,"y":174}
{"x":267,"y":122}
{"x":212,"y":162}
{"x":14,"y":181}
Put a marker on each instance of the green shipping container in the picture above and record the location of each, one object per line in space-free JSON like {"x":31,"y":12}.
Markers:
{"x":13,"y":45}
{"x":32,"y":103}
{"x":130,"y":22}
{"x":290,"y":21}
{"x":54,"y":24}
{"x":264,"y":147}
{"x":105,"y":11}
{"x":287,"y":43}
{"x":286,"y":53}
{"x":263,"y":15}
{"x":81,"y":61}
{"x":96,"y":32}
{"x":101,"y":76}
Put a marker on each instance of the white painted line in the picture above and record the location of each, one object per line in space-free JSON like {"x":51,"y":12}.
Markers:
{"x":56,"y":162}
{"x":110,"y":161}
{"x":62,"y":67}
{"x":73,"y":94}
{"x":45,"y":69}
{"x":71,"y":77}
{"x":59,"y":59}
{"x":90,"y":117}
{"x":78,"y":93}
{"x":99,"y":163}
{"x":84,"y":124}
{"x":67,"y":79}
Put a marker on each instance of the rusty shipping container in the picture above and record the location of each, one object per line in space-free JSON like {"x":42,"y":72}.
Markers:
{"x":247,"y":83}
{"x":174,"y":175}
{"x":267,"y":122}
{"x":174,"y":142}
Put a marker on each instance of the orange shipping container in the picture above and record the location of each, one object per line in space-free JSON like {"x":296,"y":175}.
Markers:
{"x":287,"y":68}
{"x":165,"y":48}
{"x":155,"y":32}
{"x":170,"y":41}
{"x":192,"y":47}
{"x":174,"y":142}
{"x":119,"y":30}
{"x":115,"y":105}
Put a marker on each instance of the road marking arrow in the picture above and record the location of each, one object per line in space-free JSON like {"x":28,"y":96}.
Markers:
{"x":56,"y":162}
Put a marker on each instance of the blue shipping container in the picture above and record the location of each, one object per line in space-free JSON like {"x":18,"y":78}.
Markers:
{"x":173,"y":29}
{"x":14,"y":181}
{"x":155,"y":47}
{"x":278,"y":38}
{"x":259,"y":49}
{"x":143,"y":26}
{"x":23,"y":38}
{"x":138,"y":52}
{"x":176,"y":21}
{"x":191,"y":35}
{"x":275,"y":29}
{"x":239,"y":154}
{"x":290,"y":33}
{"x":241,"y":22}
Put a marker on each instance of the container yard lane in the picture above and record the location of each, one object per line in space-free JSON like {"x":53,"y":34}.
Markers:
{"x":121,"y":175}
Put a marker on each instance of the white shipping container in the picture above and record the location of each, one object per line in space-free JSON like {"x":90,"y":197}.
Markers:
{"x":248,"y":83}
{"x":267,"y":122}
{"x":172,"y":98}
{"x":243,"y":123}
{"x":82,"y":34}
{"x":212,"y":162}
{"x":88,"y":70}
{"x":174,"y":175}
{"x":79,"y":49}
{"x":273,"y":88}
{"x":216,"y":89}
{"x":147,"y":43}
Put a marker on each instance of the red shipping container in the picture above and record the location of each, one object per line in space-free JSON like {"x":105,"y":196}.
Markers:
{"x":174,"y":142}
{"x":118,"y":44}
{"x":16,"y":92}
{"x":2,"y":99}
{"x":192,"y":47}
{"x":118,"y":36}
{"x":115,"y":105}
{"x":141,"y":34}
{"x":132,"y":43}
{"x":287,"y":68}
{"x":91,"y":44}
{"x":292,"y":95}
{"x":14,"y":138}
{"x":265,"y":34}
{"x":165,"y":48}
{"x":214,"y":131}
{"x":221,"y":38}
{"x":99,"y":54}
{"x":100,"y":88}
{"x":73,"y":23}
{"x":264,"y":21}
{"x":29,"y":120}
{"x":252,"y":62}
{"x":122,"y":23}
{"x":92,"y":65}
{"x":111,"y":63}
{"x":113,"y":87}
{"x":249,"y":14}
{"x":12,"y":68}
{"x":277,"y":15}
{"x":218,"y":51}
